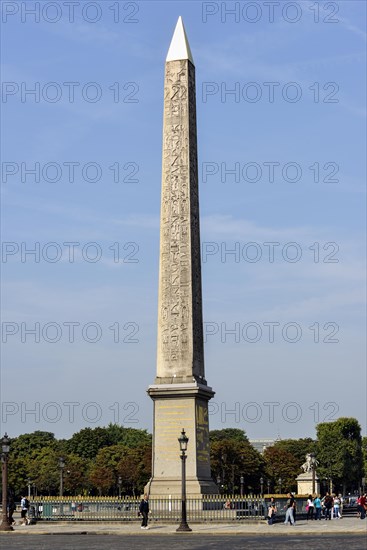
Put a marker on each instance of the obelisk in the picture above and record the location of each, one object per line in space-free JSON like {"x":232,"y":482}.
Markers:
{"x":180,"y":392}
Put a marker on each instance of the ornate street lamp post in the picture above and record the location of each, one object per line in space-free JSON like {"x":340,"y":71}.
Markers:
{"x":232,"y":478}
{"x":5,"y":448}
{"x":331,"y":479}
{"x":61,"y":466}
{"x":119,"y":483}
{"x":183,"y":441}
{"x":29,"y":481}
{"x":268,"y":484}
{"x":242,"y":481}
{"x":262,"y":486}
{"x":313,"y":467}
{"x":223,"y":459}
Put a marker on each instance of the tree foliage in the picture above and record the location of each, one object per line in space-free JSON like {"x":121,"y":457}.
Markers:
{"x":24,"y":445}
{"x":130,"y":437}
{"x":76,"y":475}
{"x":298,"y":448}
{"x":43,"y":470}
{"x":281,"y":464}
{"x":135,"y":468}
{"x":233,"y":434}
{"x":95,"y":458}
{"x":339,"y":452}
{"x":232,"y":456}
{"x":89,"y":441}
{"x":132,"y":464}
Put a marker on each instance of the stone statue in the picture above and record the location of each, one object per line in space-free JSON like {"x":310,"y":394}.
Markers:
{"x":308,"y":482}
{"x":310,"y":463}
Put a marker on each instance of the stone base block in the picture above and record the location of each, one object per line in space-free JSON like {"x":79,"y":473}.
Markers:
{"x":304,"y":484}
{"x":166,"y":488}
{"x":177,"y":407}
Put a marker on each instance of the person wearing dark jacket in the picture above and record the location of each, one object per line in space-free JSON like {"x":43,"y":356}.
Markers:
{"x":328,"y":503}
{"x":144,"y":511}
{"x":11,"y":510}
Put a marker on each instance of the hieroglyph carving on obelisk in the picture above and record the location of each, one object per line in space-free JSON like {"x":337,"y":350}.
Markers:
{"x":180,"y":325}
{"x":180,"y":392}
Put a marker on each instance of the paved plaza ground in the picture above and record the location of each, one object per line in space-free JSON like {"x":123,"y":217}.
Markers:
{"x":348,"y":525}
{"x":198,"y":541}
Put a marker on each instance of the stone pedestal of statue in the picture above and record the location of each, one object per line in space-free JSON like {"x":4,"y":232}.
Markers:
{"x":305,"y":483}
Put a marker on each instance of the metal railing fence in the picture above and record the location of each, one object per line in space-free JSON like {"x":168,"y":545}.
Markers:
{"x":208,"y":508}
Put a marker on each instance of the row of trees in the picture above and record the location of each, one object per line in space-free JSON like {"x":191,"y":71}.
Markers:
{"x":94,"y":460}
{"x":104,"y":461}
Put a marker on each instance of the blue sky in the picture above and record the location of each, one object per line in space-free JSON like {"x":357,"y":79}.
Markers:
{"x":311,"y":132}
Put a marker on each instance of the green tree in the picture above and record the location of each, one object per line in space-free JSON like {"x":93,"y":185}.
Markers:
{"x":233,"y":434}
{"x":135,"y":468}
{"x":104,"y":472}
{"x":281,"y":464}
{"x":339,"y":452}
{"x":132,"y":464}
{"x":232,"y":458}
{"x":22,"y":449}
{"x":129,"y":437}
{"x":43,"y":469}
{"x":24,"y":445}
{"x":298,"y":448}
{"x":88,"y":442}
{"x":18,"y":475}
{"x":75,"y":474}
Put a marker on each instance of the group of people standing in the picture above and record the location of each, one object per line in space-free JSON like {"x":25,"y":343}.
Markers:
{"x":329,"y":507}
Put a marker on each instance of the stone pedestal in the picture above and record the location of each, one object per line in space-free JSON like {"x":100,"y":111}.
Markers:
{"x":304,"y":484}
{"x":178,"y":406}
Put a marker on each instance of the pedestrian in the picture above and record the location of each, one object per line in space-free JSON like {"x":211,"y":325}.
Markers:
{"x":24,"y":505}
{"x":361,"y":506}
{"x":144,"y":511}
{"x":294,"y":509}
{"x":337,"y":503}
{"x":310,"y":508}
{"x":328,"y":503}
{"x":272,"y":510}
{"x":290,"y":510}
{"x":11,"y":510}
{"x":317,"y":505}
